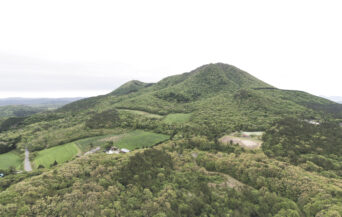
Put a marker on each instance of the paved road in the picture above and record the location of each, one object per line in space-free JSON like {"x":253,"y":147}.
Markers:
{"x":92,"y":151}
{"x":27,"y":163}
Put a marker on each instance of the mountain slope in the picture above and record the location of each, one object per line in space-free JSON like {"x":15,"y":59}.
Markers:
{"x":217,"y":98}
{"x":192,"y":173}
{"x":19,"y":110}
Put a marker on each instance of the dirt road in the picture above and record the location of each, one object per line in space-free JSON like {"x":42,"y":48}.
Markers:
{"x":27,"y":163}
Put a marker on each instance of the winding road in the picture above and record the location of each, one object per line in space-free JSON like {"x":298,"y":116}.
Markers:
{"x":27,"y":163}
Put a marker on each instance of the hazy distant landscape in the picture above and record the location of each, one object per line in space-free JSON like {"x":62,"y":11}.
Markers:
{"x":37,"y":102}
{"x":337,"y":99}
{"x":21,"y":107}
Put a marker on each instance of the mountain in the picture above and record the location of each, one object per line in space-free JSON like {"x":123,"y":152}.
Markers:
{"x":213,"y":100}
{"x":178,"y":164}
{"x":216,"y":95}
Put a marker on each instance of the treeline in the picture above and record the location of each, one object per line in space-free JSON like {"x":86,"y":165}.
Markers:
{"x":9,"y":144}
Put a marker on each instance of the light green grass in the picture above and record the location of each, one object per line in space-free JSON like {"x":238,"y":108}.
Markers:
{"x":140,"y":139}
{"x":61,"y":154}
{"x":132,"y":140}
{"x":93,"y":142}
{"x":10,"y":159}
{"x":146,"y":114}
{"x":177,"y":118}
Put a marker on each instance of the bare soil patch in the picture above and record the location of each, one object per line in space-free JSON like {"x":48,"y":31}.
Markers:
{"x":244,"y":142}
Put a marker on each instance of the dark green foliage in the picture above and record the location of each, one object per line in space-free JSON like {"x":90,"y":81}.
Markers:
{"x":19,"y":110}
{"x":55,"y":163}
{"x":106,"y":119}
{"x":108,"y":145}
{"x":174,"y":97}
{"x":41,"y":166}
{"x":130,"y":87}
{"x":333,"y":109}
{"x":300,"y":142}
{"x":143,"y":168}
{"x":9,"y":144}
{"x":11,"y":123}
{"x":12,"y":178}
{"x":43,"y":117}
{"x":92,"y":187}
{"x":82,"y":104}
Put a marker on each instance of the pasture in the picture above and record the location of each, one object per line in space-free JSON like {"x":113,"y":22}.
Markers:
{"x":10,"y":159}
{"x":177,"y":118}
{"x":61,"y":154}
{"x":146,"y":114}
{"x":139,"y":139}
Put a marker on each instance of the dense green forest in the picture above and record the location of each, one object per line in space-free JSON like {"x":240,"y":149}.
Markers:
{"x":178,"y":166}
{"x":314,"y":147}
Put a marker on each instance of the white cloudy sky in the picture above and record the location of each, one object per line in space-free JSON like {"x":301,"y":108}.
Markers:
{"x":82,"y":48}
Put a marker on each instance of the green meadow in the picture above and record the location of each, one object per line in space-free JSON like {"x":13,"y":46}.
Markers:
{"x":139,"y":139}
{"x":10,"y":159}
{"x":146,"y":114}
{"x":177,"y":118}
{"x":61,"y":154}
{"x":131,"y":140}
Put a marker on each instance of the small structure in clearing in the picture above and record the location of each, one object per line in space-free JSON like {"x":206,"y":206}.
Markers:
{"x":124,"y":150}
{"x":314,"y":122}
{"x":250,"y":140}
{"x":115,"y":150}
{"x":2,"y":175}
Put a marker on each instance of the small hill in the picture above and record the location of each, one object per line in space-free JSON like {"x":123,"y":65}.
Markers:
{"x":130,"y":87}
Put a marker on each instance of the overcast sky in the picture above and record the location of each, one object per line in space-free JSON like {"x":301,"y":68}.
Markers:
{"x":82,"y":48}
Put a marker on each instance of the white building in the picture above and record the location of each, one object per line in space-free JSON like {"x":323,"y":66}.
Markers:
{"x":124,"y":150}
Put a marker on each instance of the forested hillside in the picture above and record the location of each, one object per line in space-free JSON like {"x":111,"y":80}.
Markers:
{"x":19,"y":111}
{"x":177,"y":165}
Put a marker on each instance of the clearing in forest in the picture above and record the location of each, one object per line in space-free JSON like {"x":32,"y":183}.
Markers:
{"x":138,"y":112}
{"x":61,"y":154}
{"x":246,"y":140}
{"x":140,"y":139}
{"x":10,"y":159}
{"x":177,"y":118}
{"x":130,"y":140}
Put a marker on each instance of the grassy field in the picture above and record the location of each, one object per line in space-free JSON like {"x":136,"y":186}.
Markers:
{"x":61,"y":153}
{"x":177,"y":118}
{"x":137,"y":112}
{"x":131,"y":140}
{"x":90,"y":143}
{"x":10,"y":159}
{"x":139,"y":139}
